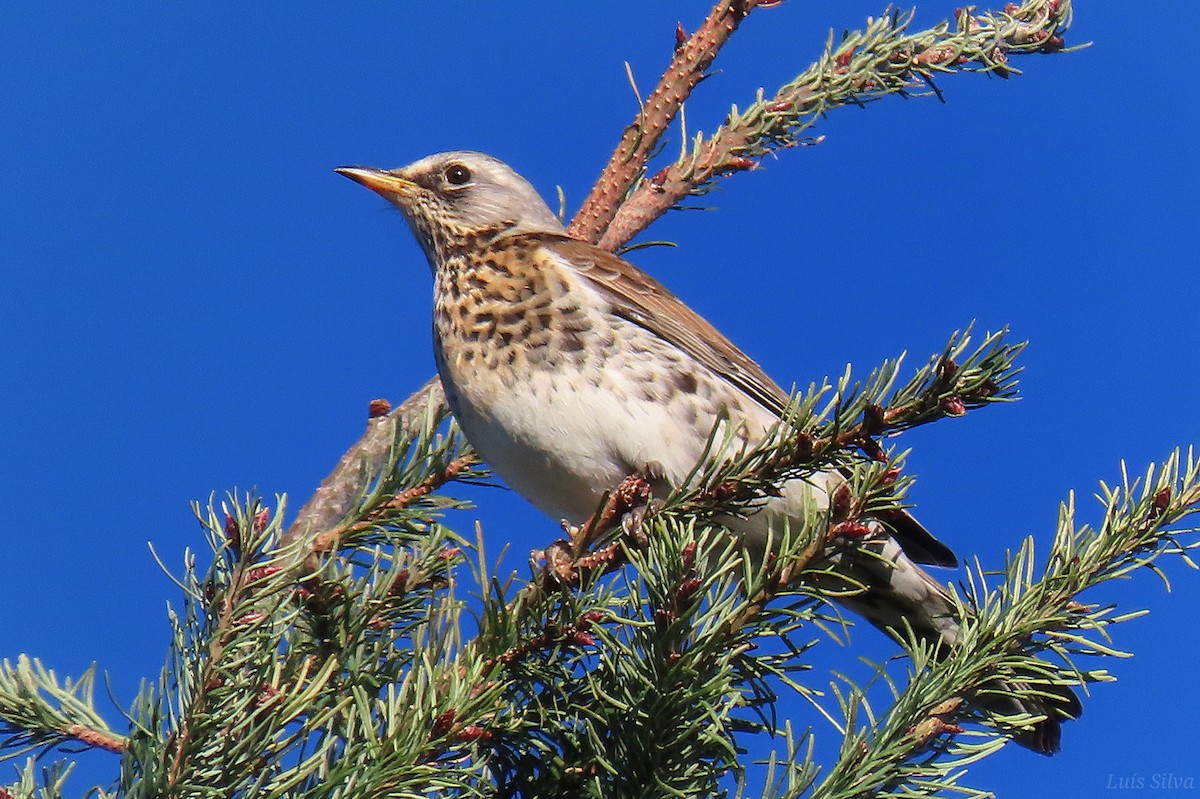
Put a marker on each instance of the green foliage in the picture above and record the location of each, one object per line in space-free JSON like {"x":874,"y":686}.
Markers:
{"x":357,"y":668}
{"x":341,"y":657}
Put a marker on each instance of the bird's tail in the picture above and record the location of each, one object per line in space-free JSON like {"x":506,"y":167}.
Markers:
{"x":887,"y":588}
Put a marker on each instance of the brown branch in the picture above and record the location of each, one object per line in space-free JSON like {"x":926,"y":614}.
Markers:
{"x":341,"y":489}
{"x":330,"y":539}
{"x":101,"y":739}
{"x":688,"y":67}
{"x":864,"y":66}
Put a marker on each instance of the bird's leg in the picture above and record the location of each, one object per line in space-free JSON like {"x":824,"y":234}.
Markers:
{"x":628,"y":502}
{"x":632,"y":493}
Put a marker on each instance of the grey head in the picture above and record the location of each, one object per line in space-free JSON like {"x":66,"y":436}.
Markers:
{"x":454,"y":197}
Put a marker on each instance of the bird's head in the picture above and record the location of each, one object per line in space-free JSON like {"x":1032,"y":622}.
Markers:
{"x":449,"y":198}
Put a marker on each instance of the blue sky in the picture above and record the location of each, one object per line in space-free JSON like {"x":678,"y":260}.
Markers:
{"x":191,"y":300}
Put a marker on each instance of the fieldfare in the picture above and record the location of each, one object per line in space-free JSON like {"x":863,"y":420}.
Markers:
{"x":569,"y":369}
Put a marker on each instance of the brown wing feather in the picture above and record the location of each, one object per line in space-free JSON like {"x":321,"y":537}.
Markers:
{"x":647,"y":303}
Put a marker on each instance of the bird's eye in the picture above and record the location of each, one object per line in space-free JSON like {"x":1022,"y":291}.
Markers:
{"x":457,"y":175}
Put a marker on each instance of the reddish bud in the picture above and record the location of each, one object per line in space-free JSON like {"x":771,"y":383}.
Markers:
{"x":449,"y":553}
{"x":688,"y":556}
{"x":261,"y":519}
{"x":780,"y":107}
{"x":841,"y":502}
{"x":215,"y":682}
{"x":592,"y":616}
{"x":873,"y":420}
{"x":947,"y":369}
{"x":889,"y":477}
{"x":251,"y":618}
{"x":680,"y":35}
{"x":233,"y":533}
{"x":1162,"y":499}
{"x":580,"y":638}
{"x":633,"y":491}
{"x":872,"y":449}
{"x":442,"y":724}
{"x":261,"y":572}
{"x":663,"y":616}
{"x":267,"y":693}
{"x":687,"y":589}
{"x":954,"y":406}
{"x":1052,"y":44}
{"x":400,"y":585}
{"x":724,"y":491}
{"x":659,"y":178}
{"x":377,"y":408}
{"x":842,"y":59}
{"x":804,"y":447}
{"x":737,"y":163}
{"x":850,"y":530}
{"x":1011,"y":8}
{"x":473,"y":732}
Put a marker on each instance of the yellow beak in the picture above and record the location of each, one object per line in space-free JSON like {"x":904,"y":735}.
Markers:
{"x":377,"y":180}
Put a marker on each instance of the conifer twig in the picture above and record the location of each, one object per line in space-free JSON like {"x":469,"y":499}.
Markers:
{"x":1007,"y":628}
{"x":39,"y":712}
{"x":689,"y":64}
{"x":344,"y":485}
{"x":865,"y":65}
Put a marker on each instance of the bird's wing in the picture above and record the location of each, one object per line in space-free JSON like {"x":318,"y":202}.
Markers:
{"x":645,"y":302}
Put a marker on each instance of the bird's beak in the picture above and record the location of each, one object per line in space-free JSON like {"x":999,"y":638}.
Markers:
{"x":379,"y":181}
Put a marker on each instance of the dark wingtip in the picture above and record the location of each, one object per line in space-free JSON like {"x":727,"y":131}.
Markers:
{"x":1045,"y":737}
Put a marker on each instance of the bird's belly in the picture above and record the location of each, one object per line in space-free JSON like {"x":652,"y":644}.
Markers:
{"x":569,"y":430}
{"x":560,"y":443}
{"x":562,"y":430}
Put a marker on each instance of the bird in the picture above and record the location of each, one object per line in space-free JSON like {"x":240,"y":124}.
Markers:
{"x":569,"y":369}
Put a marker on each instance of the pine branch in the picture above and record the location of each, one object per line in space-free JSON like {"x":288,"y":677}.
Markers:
{"x":918,"y":744}
{"x":344,"y":486}
{"x":48,"y":784}
{"x":865,"y":65}
{"x":689,"y":65}
{"x":38,"y":713}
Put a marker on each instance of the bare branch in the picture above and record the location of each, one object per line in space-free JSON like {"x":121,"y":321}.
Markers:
{"x":342,"y":488}
{"x":865,"y":65}
{"x":692,"y":58}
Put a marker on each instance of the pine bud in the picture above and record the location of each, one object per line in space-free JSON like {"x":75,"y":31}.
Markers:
{"x":377,"y":408}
